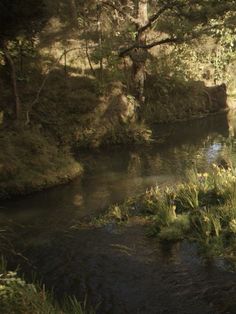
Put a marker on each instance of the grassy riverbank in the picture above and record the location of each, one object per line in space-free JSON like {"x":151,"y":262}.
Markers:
{"x":30,"y":161}
{"x":202,"y":210}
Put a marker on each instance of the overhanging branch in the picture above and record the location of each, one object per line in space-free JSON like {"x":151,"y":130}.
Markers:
{"x":153,"y":18}
{"x":168,"y":40}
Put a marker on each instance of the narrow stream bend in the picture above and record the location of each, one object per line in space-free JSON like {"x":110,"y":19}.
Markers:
{"x":121,"y":270}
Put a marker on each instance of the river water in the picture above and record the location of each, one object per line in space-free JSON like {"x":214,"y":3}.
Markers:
{"x":120,"y":269}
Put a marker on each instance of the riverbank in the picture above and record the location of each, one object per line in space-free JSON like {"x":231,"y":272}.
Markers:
{"x":37,"y":161}
{"x":170,"y":99}
{"x":30,"y":161}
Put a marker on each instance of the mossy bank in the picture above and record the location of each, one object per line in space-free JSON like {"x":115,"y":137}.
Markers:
{"x":30,"y":161}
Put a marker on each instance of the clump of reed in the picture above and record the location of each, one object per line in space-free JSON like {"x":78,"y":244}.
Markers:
{"x":202,"y":209}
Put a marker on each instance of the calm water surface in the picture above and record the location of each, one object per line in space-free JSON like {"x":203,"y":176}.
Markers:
{"x":117,"y":173}
{"x":110,"y":267}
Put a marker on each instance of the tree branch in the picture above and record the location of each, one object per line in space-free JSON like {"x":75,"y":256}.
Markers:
{"x":167,"y":40}
{"x":153,"y":18}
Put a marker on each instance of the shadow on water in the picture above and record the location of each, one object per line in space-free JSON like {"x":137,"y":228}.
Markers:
{"x":121,"y":269}
{"x":116,"y":173}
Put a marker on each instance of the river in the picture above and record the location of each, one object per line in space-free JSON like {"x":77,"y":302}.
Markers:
{"x":120,"y":269}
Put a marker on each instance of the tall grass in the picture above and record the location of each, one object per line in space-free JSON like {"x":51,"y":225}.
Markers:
{"x":203,"y":209}
{"x":19,"y":297}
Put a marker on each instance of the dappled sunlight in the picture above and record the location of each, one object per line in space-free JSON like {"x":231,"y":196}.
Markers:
{"x":117,"y":156}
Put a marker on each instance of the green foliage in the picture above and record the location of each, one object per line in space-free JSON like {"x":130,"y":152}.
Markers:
{"x":172,"y":98}
{"x":19,"y":297}
{"x":16,"y":296}
{"x":117,"y":214}
{"x":118,"y":134}
{"x":177,"y":230}
{"x":71,"y":106}
{"x":188,"y":196}
{"x":203,"y":210}
{"x":212,"y":226}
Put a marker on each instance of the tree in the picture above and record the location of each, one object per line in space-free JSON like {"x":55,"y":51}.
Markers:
{"x":22,"y":18}
{"x":154,"y":23}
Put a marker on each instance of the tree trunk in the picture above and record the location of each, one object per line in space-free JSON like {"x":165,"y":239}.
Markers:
{"x":99,"y":30}
{"x":14,"y":82}
{"x":139,"y":56}
{"x":73,"y":10}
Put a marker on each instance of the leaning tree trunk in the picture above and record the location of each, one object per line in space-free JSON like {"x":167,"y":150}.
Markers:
{"x":139,"y":55}
{"x":11,"y":64}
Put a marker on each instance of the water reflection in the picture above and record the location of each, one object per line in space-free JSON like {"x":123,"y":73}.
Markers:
{"x":114,"y":174}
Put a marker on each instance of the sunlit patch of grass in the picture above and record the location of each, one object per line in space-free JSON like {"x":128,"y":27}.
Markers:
{"x":224,"y":182}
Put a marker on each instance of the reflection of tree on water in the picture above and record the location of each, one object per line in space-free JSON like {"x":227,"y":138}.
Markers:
{"x":135,"y":164}
{"x":125,"y":172}
{"x":112,"y":175}
{"x":232,"y":123}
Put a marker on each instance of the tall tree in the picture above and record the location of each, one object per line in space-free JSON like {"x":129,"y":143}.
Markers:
{"x":154,"y":23}
{"x":18,"y":18}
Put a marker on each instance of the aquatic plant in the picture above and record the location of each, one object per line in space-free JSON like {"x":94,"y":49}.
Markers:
{"x":176,"y":230}
{"x":201,"y":210}
{"x":188,"y":196}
